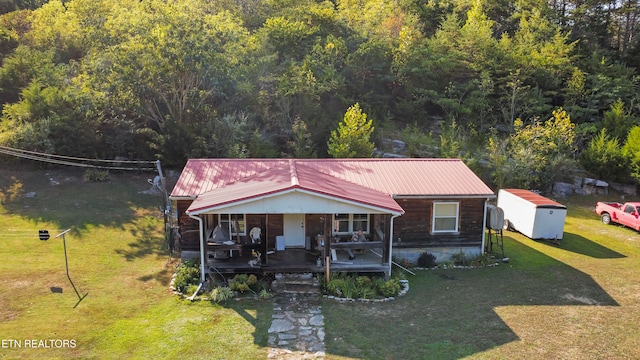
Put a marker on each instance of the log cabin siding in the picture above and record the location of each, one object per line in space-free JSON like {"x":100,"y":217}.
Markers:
{"x":414,"y":228}
{"x":189,"y":228}
{"x":184,"y":221}
{"x":315,"y":225}
{"x":275,"y":227}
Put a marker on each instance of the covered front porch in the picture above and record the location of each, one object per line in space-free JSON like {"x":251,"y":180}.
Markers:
{"x":299,"y":261}
{"x":257,"y":243}
{"x":290,"y":242}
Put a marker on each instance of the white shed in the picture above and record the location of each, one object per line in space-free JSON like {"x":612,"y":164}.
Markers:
{"x":531,"y":214}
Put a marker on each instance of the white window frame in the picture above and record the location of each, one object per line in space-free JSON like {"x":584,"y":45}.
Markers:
{"x":242,"y":219}
{"x":351,"y":228}
{"x":435,"y":217}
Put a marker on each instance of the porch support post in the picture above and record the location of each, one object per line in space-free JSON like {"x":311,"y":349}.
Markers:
{"x":484,"y":226}
{"x":386,"y":231}
{"x":264,"y":247}
{"x":327,"y":249}
{"x":391,"y":243}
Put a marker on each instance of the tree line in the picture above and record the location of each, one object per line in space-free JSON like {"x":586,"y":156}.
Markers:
{"x":526,"y":92}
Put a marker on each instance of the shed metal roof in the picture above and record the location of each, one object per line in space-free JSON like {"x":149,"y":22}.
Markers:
{"x":534,"y":198}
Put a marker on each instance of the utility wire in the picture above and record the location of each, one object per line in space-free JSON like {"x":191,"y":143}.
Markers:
{"x":78,"y":158}
{"x":75,"y":161}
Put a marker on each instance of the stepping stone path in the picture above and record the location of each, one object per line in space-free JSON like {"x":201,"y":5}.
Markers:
{"x":297,"y":327}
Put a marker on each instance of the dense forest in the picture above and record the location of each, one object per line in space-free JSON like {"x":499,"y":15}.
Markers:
{"x":527,"y":92}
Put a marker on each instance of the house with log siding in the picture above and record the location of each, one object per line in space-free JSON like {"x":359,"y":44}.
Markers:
{"x":301,"y":215}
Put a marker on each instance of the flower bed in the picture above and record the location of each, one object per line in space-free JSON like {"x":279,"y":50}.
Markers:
{"x":403,"y":291}
{"x":349,"y":287}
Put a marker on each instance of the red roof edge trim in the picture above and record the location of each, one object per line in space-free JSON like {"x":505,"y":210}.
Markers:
{"x":286,"y":190}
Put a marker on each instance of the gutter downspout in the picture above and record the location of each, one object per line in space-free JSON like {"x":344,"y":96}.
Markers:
{"x":202,"y":255}
{"x":484,"y":225}
{"x":391,"y":243}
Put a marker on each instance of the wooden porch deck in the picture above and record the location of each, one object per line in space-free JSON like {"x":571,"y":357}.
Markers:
{"x":297,"y":261}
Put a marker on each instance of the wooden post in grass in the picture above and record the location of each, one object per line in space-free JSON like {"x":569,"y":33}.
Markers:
{"x":327,"y":267}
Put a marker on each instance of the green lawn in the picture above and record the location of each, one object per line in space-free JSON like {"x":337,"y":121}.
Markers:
{"x":116,"y":256}
{"x":575,"y":301}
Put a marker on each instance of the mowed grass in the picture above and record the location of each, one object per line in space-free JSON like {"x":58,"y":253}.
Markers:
{"x":578,"y":300}
{"x":116,"y":256}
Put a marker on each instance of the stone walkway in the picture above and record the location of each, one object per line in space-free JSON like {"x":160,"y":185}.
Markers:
{"x":297,"y":327}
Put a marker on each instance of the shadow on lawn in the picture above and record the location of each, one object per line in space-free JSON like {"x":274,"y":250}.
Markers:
{"x":143,"y":247}
{"x":149,"y":241}
{"x":581,"y":245}
{"x":257,"y":313}
{"x":163,"y":276}
{"x":450,"y":314}
{"x":63,"y":198}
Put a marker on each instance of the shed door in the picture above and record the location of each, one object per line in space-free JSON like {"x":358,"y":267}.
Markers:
{"x":294,"y":230}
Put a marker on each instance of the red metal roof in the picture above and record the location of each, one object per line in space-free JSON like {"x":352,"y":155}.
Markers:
{"x":534,"y":198}
{"x":284,"y":177}
{"x":203,"y":175}
{"x":366,"y":181}
{"x":406,"y":176}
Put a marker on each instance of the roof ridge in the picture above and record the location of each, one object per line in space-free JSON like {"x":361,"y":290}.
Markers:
{"x":293,"y":171}
{"x":372,"y":159}
{"x":376,"y":159}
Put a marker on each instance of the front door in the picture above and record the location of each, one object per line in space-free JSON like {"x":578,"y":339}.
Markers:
{"x":294,"y":231}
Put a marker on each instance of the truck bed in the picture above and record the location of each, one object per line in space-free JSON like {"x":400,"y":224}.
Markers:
{"x":612,"y":204}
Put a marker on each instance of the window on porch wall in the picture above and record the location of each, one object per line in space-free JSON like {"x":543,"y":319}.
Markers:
{"x":445,"y":217}
{"x":349,"y":223}
{"x":229,"y":222}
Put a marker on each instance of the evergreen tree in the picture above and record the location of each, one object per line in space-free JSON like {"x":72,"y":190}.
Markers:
{"x":351,"y":139}
{"x":604,"y":158}
{"x":631,"y":151}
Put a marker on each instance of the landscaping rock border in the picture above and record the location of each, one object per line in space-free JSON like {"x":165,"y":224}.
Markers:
{"x":445,"y":267}
{"x":403,"y":291}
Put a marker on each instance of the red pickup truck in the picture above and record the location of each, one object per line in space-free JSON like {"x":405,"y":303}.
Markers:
{"x":627,"y":214}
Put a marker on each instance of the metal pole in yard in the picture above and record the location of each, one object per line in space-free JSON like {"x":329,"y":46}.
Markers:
{"x":66,"y":263}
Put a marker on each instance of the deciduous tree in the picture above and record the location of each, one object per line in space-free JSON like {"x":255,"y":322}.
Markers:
{"x":536,"y":155}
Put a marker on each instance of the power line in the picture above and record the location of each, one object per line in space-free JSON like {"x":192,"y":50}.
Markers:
{"x":78,"y":158}
{"x":75,"y":161}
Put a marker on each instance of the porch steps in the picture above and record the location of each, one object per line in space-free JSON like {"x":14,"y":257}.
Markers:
{"x":296,"y":283}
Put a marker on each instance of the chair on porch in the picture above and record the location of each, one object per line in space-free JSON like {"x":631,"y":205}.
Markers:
{"x":255,"y":235}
